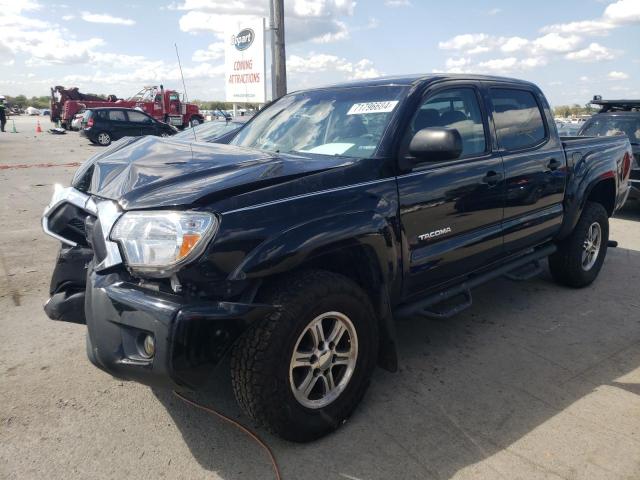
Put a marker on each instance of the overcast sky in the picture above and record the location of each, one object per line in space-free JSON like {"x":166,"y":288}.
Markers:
{"x":572,"y":48}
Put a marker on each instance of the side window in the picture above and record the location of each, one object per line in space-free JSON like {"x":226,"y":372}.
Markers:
{"x":138,"y":117}
{"x":517,"y":117}
{"x":117,"y":115}
{"x":456,"y":108}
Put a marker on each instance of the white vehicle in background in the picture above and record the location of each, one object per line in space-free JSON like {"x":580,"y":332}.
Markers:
{"x":568,"y":129}
{"x":32,"y":111}
{"x":76,"y":123}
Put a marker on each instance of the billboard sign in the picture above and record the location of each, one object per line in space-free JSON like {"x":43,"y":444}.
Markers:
{"x":244,"y":59}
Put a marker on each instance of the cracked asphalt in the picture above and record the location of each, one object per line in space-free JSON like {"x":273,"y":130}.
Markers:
{"x":535,"y":381}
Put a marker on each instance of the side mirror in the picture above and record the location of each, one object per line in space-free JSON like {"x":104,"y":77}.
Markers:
{"x":435,"y":144}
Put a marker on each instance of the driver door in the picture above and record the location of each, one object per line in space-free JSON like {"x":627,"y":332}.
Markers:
{"x":451,"y":211}
{"x":141,"y":123}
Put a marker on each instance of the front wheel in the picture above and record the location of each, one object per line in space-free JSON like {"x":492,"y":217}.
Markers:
{"x":580,"y":256}
{"x":302,"y":371}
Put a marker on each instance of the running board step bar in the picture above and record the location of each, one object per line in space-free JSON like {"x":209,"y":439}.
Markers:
{"x":525,"y":272}
{"x":427,"y":307}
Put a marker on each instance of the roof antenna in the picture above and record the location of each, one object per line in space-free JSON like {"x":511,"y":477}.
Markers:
{"x":184,"y":87}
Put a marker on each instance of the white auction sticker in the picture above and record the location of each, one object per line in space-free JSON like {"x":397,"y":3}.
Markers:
{"x":372,"y":107}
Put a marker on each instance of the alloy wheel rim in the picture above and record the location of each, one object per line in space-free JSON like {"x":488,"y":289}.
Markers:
{"x":591,"y":246}
{"x":103,"y":138}
{"x":323,"y":360}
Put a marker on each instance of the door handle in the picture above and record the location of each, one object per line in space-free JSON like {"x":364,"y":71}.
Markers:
{"x":553,"y":164}
{"x":492,"y":178}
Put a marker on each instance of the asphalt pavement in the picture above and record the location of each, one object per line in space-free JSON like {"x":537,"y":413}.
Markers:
{"x":535,"y":381}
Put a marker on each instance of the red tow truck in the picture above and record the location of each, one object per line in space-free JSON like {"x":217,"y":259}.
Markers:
{"x":164,"y":105}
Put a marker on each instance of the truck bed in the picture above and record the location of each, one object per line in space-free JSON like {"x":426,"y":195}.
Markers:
{"x":603,"y":150}
{"x":574,"y":142}
{"x":596,"y":157}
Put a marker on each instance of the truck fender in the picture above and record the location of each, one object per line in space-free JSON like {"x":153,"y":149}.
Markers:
{"x":299,"y":245}
{"x":587,"y":176}
{"x":293,"y":247}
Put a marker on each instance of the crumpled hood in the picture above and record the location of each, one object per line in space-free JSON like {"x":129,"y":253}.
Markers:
{"x":79,"y":176}
{"x":157,"y":172}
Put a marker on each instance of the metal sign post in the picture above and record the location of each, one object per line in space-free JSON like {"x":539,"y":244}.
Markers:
{"x":278,"y":54}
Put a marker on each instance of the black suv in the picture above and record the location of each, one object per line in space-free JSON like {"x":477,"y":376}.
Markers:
{"x":103,"y":125}
{"x":618,"y":117}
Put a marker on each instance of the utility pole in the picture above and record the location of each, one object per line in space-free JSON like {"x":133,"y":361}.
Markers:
{"x":278,"y":56}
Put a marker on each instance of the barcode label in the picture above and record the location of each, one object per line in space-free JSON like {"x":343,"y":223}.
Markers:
{"x":372,"y":107}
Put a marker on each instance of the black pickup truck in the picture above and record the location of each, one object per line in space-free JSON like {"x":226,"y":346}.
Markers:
{"x":294,"y":246}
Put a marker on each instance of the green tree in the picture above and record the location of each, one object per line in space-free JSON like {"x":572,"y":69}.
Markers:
{"x":573,"y":110}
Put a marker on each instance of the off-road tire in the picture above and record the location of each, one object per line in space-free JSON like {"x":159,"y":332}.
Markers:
{"x":566,"y":263}
{"x":260,"y":359}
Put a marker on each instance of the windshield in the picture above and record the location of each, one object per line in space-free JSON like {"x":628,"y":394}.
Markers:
{"x":609,"y":125}
{"x":347,"y":122}
{"x":208,"y":131}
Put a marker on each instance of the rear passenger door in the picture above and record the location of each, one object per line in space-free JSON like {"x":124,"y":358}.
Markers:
{"x":451,"y":211}
{"x":118,"y":124}
{"x":534,"y":164}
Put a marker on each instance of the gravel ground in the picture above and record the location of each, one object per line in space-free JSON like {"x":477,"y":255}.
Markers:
{"x":535,"y":381}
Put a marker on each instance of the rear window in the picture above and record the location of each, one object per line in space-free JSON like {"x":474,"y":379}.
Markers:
{"x":517,"y":117}
{"x":117,"y":115}
{"x":97,"y":114}
{"x":609,"y":125}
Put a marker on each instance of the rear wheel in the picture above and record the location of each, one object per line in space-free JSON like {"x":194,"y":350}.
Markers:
{"x":303,"y":370}
{"x":104,"y":139}
{"x":580,"y":256}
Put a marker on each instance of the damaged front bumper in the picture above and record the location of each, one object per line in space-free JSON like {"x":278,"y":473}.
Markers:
{"x":190,"y":338}
{"x":90,"y":285}
{"x":67,"y":289}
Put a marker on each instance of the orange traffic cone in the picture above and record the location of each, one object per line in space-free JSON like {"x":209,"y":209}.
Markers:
{"x":38,"y":129}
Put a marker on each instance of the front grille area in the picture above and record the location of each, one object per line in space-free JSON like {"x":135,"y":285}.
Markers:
{"x":78,"y":224}
{"x":95,"y":237}
{"x":68,"y":222}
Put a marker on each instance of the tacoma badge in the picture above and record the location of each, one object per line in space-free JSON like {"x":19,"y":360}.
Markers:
{"x":435,"y":233}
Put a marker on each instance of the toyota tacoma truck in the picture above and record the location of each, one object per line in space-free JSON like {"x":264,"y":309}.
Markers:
{"x":293,"y":247}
